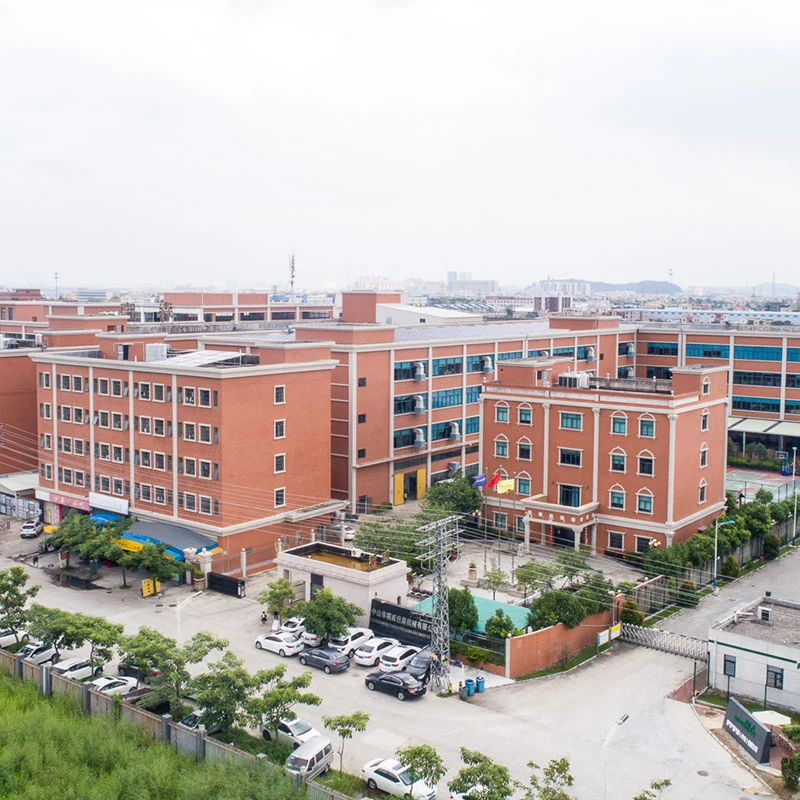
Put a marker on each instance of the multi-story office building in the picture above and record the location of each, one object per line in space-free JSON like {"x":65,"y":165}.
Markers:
{"x":615,"y":464}
{"x":232,"y":441}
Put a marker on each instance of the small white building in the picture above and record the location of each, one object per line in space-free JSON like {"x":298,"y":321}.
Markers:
{"x":756,"y":653}
{"x":353,"y":574}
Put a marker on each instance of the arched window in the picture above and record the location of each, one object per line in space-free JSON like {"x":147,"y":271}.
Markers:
{"x":706,"y":385}
{"x":647,"y":426}
{"x":523,"y":484}
{"x":619,"y":423}
{"x":524,"y":414}
{"x":501,"y":447}
{"x":619,"y":460}
{"x":524,"y":449}
{"x":644,"y":501}
{"x":616,"y":497}
{"x":701,"y":492}
{"x":501,"y":411}
{"x":704,"y":420}
{"x":703,"y":455}
{"x":645,"y":463}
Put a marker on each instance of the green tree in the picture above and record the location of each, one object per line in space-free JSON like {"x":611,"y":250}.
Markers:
{"x":277,"y":597}
{"x":495,"y":579}
{"x":596,"y":593}
{"x":731,"y":569}
{"x":422,"y":762}
{"x":14,"y":598}
{"x":104,"y":545}
{"x":275,"y":697}
{"x":457,"y":496}
{"x":654,"y":790}
{"x":101,"y":635}
{"x":543,"y":574}
{"x":764,"y":496}
{"x":731,"y":503}
{"x":150,"y":649}
{"x":73,"y":532}
{"x":571,"y":563}
{"x":344,"y":726}
{"x":790,"y":770}
{"x":482,"y":778}
{"x":772,"y":547}
{"x":462,"y":610}
{"x":554,"y":607}
{"x":526,"y":577}
{"x":500,"y":625}
{"x":152,"y":561}
{"x":399,"y":539}
{"x":757,"y":451}
{"x":550,"y":782}
{"x":54,"y":627}
{"x":222,"y":691}
{"x":327,"y":615}
{"x":630,"y":613}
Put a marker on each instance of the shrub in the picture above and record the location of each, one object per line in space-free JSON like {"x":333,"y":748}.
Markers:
{"x":772,"y":546}
{"x":763,"y":496}
{"x":793,"y":732}
{"x":790,"y":770}
{"x":687,"y":595}
{"x":731,"y":568}
{"x":630,"y":613}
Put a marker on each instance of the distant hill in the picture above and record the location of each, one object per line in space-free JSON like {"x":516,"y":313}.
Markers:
{"x":639,"y":287}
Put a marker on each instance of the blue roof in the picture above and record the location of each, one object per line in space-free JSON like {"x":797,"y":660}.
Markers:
{"x":486,"y":609}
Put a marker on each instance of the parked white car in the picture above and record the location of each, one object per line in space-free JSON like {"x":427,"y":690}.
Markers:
{"x":369,"y":654}
{"x":76,"y":668}
{"x":295,"y":625}
{"x":111,"y":685}
{"x":389,"y":775}
{"x":350,"y":643}
{"x":397,"y":657}
{"x":310,"y":639}
{"x":7,"y":637}
{"x":292,"y":731}
{"x":38,"y":653}
{"x":284,"y":644}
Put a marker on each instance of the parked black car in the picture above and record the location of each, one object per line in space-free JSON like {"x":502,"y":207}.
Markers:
{"x":325,"y":658}
{"x":129,"y":670}
{"x":420,"y":666}
{"x":400,"y":684}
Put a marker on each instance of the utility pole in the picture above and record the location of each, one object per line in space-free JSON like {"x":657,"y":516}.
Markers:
{"x":291,"y":278}
{"x":56,"y":278}
{"x":437,"y":541}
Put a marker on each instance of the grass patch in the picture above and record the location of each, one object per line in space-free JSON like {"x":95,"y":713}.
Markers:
{"x":707,"y":591}
{"x":658,"y":616}
{"x":345,"y":783}
{"x":721,"y":701}
{"x":572,"y":661}
{"x":276,"y":752}
{"x":49,"y":749}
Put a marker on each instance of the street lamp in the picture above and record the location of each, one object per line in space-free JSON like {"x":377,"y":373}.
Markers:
{"x":794,"y":491}
{"x":621,"y":721}
{"x":716,"y":540}
{"x":178,"y":613}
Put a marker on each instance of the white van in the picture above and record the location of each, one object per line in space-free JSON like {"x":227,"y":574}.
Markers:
{"x":310,"y":759}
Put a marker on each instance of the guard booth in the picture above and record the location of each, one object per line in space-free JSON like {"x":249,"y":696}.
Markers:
{"x":225,"y":584}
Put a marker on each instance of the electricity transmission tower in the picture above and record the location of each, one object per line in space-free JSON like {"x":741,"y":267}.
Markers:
{"x":438,"y":540}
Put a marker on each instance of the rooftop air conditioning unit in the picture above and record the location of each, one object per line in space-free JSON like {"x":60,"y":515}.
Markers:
{"x":764,"y":614}
{"x":355,"y":553}
{"x":574,"y":380}
{"x":155,"y":352}
{"x":419,"y":371}
{"x":486,"y":363}
{"x":419,"y":404}
{"x":455,"y":432}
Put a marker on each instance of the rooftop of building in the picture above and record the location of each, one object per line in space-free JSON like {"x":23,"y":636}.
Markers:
{"x":781,"y":627}
{"x":342,"y":556}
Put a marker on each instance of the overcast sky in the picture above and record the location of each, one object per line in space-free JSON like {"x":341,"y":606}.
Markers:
{"x":203,"y":141}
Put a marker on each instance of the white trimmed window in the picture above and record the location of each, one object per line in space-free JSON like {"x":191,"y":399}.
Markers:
{"x":190,"y":467}
{"x":523,"y":484}
{"x":701,"y":492}
{"x":280,"y":463}
{"x":204,"y":433}
{"x":280,"y":429}
{"x":501,"y":412}
{"x":704,"y":420}
{"x":706,"y":386}
{"x":501,"y":447}
{"x":500,"y":521}
{"x":616,"y":540}
{"x":524,"y":449}
{"x":616,"y":497}
{"x":524,"y":414}
{"x":619,"y":423}
{"x":280,"y":497}
{"x":647,"y":426}
{"x":189,"y":431}
{"x":645,"y":464}
{"x":703,"y":455}
{"x":619,"y":460}
{"x":189,"y":396}
{"x":280,"y":395}
{"x":644,"y":501}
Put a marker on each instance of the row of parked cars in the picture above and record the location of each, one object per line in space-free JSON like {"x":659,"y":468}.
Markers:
{"x":402,"y":670}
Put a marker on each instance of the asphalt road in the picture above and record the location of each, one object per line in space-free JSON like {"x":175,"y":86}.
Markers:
{"x":565,"y":715}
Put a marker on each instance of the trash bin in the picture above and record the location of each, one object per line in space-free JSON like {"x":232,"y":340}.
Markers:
{"x":480,"y":684}
{"x":469,"y":685}
{"x":463,"y":693}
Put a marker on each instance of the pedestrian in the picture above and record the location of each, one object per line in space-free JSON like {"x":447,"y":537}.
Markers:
{"x":35,"y":561}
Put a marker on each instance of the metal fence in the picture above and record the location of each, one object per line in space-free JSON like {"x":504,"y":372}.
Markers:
{"x":665,"y":641}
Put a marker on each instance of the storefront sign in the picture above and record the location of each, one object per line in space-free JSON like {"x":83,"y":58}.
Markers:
{"x":63,"y":500}
{"x":399,"y":622}
{"x":748,"y":731}
{"x":106,"y":503}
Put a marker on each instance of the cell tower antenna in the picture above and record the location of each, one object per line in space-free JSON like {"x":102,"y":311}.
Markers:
{"x":670,"y":274}
{"x":291,"y":278}
{"x":56,"y":278}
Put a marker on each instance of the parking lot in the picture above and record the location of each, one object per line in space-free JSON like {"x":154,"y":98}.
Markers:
{"x":565,"y":715}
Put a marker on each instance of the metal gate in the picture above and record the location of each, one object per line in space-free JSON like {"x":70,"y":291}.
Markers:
{"x":666,"y":641}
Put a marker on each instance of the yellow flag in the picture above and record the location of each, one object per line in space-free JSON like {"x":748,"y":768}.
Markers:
{"x":506,"y":485}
